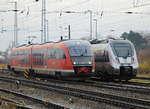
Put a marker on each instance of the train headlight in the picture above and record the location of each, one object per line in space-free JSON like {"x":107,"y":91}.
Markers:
{"x":74,"y":63}
{"x":90,"y":62}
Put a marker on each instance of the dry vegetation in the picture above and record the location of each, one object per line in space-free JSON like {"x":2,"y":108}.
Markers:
{"x":144,"y":61}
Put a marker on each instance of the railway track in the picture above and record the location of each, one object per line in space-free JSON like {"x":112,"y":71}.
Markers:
{"x":36,"y":100}
{"x":125,"y":86}
{"x":5,"y":102}
{"x":135,"y":88}
{"x":114,"y":86}
{"x":138,"y":84}
{"x":120,"y":101}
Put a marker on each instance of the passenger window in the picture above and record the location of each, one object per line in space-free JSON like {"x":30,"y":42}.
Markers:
{"x":101,"y":56}
{"x":56,"y":53}
{"x":61,"y":54}
{"x":51,"y":53}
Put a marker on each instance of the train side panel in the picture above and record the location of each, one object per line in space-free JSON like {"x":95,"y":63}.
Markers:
{"x":20,"y":59}
{"x":59,"y":60}
{"x":54,"y":59}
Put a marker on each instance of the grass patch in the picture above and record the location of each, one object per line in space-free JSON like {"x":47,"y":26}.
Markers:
{"x":144,"y":75}
{"x":140,"y":80}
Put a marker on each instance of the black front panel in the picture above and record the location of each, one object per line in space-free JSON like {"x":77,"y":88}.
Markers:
{"x":126,"y":70}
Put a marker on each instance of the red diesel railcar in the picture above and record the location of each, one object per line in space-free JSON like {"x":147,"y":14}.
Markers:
{"x":72,"y":58}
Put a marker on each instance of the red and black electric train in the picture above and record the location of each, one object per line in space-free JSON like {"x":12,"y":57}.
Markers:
{"x":72,"y":58}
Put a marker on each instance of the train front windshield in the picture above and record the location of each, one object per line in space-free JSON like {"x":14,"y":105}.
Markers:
{"x":80,"y":54}
{"x":122,"y":49}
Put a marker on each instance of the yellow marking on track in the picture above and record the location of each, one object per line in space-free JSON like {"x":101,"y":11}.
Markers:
{"x":26,"y":74}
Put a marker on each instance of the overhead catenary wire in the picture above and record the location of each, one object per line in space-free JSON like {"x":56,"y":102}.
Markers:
{"x":85,"y":3}
{"x":30,"y":19}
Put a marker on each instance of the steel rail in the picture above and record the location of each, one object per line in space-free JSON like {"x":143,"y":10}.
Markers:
{"x":45,"y":103}
{"x":17,"y":106}
{"x":119,"y":87}
{"x":94,"y":96}
{"x":124,"y":87}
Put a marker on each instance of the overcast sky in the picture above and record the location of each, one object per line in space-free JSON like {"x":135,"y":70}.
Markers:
{"x":114,"y":21}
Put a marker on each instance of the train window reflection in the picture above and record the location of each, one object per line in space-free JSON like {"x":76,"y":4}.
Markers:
{"x":101,"y":56}
{"x":122,"y":50}
{"x":80,"y":51}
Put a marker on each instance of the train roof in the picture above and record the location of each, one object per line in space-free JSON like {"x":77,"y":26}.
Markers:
{"x":75,"y":42}
{"x":109,"y":40}
{"x":66,"y":42}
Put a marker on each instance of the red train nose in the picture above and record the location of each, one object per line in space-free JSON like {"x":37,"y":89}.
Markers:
{"x":83,"y":70}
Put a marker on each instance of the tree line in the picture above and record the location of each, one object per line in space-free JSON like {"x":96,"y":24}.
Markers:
{"x":139,"y":40}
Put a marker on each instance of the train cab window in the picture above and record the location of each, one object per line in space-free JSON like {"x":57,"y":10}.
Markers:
{"x":122,"y":49}
{"x":80,"y":51}
{"x":101,"y":56}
